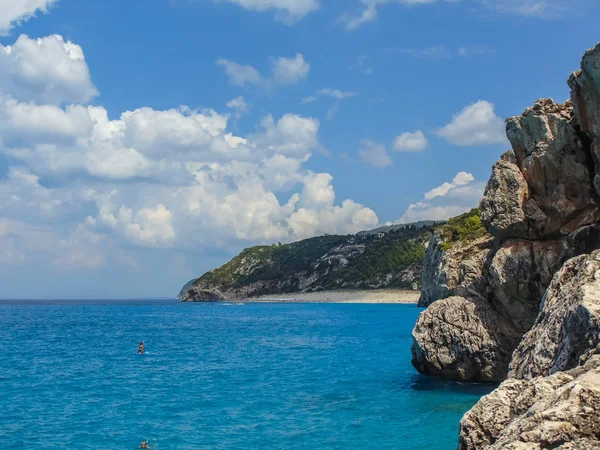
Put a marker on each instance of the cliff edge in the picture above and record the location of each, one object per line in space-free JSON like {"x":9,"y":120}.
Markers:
{"x":533,"y":317}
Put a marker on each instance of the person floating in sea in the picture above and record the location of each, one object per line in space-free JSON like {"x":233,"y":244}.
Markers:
{"x":141,"y":352}
{"x":144,"y":444}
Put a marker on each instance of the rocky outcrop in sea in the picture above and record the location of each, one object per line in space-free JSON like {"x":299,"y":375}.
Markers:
{"x":532,"y":317}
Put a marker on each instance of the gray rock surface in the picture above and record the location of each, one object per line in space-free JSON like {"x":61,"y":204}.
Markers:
{"x":556,"y":164}
{"x":542,"y":206}
{"x":195,"y":294}
{"x":585,"y":96}
{"x":567,"y":331}
{"x":462,"y":338}
{"x":520,"y":273}
{"x":462,"y":265}
{"x":559,"y":411}
{"x":504,"y":200}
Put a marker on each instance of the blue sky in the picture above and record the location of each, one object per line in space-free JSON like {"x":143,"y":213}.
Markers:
{"x":145,"y":142}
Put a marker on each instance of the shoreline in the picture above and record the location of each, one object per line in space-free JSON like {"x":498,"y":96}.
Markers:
{"x":382,"y":296}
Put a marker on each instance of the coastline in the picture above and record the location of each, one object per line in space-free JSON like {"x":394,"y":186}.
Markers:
{"x":383,"y":296}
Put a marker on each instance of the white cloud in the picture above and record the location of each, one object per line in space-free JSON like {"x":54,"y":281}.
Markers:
{"x":374,"y":154}
{"x":531,"y":8}
{"x":336,"y":93}
{"x":285,"y":71}
{"x":310,"y":99}
{"x":332,"y":93}
{"x":239,"y":105}
{"x":477,"y":124}
{"x":443,"y":52}
{"x":286,"y":11}
{"x":14,"y":12}
{"x":411,"y":142}
{"x":331,"y":112}
{"x":173,"y":179}
{"x":239,"y":74}
{"x":450,"y":199}
{"x":47,"y":70}
{"x":290,"y":70}
{"x":370,"y":13}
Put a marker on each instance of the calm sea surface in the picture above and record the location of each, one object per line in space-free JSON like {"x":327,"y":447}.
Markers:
{"x":304,"y":376}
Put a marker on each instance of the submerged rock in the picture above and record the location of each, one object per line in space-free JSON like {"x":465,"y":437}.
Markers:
{"x":558,"y":412}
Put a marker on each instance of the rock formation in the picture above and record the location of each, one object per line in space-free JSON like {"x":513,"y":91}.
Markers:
{"x":534,"y":316}
{"x":542,"y":209}
{"x":445,"y":271}
{"x":556,"y":412}
{"x":475,"y":342}
{"x":567,"y":330}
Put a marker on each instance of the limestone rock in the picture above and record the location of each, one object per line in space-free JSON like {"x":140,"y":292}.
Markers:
{"x":520,"y":273}
{"x":504,"y":200}
{"x":567,"y":330}
{"x":559,"y":411}
{"x":463,"y":339}
{"x":556,"y":165}
{"x":445,"y":270}
{"x":196,"y":294}
{"x":585,"y":96}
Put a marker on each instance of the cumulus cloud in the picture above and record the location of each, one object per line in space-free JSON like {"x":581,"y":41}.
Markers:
{"x":239,"y":105}
{"x":290,"y":70}
{"x":477,"y":124}
{"x":286,"y":11}
{"x":47,"y":70}
{"x":82,"y":187}
{"x":14,"y":12}
{"x":285,"y":71}
{"x":374,"y":154}
{"x":450,"y":199}
{"x":411,"y":142}
{"x":239,"y":74}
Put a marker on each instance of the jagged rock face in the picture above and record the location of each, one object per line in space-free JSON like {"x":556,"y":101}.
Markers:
{"x":557,"y":166}
{"x":559,"y":411}
{"x":585,"y":96}
{"x":461,"y":265}
{"x":567,"y":331}
{"x":463,"y":339}
{"x":520,"y":273}
{"x":196,"y":294}
{"x":504,"y":200}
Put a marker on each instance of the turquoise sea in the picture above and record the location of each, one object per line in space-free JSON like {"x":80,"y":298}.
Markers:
{"x":254,"y":376}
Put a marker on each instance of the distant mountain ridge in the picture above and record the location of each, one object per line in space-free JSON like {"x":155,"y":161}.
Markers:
{"x":390,"y":257}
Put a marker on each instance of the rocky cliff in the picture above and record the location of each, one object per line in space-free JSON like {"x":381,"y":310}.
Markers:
{"x":533,"y":316}
{"x":392,"y":259}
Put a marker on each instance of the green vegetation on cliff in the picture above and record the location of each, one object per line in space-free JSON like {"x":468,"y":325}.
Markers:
{"x":464,"y":228}
{"x":366,"y":261}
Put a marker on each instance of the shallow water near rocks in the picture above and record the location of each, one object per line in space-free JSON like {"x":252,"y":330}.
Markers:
{"x":255,"y":376}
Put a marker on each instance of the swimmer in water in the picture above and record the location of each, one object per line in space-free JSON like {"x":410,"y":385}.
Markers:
{"x":141,"y":352}
{"x":144,"y":444}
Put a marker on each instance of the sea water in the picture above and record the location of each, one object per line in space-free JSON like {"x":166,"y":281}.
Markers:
{"x":254,"y":376}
